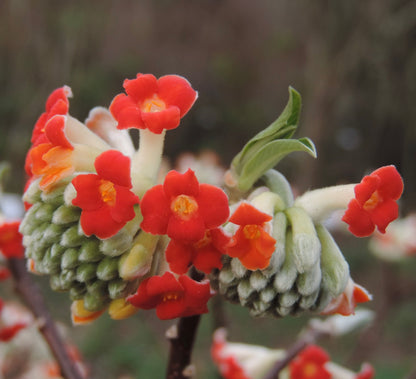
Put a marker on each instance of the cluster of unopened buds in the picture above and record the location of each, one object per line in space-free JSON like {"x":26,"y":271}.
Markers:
{"x":105,"y":228}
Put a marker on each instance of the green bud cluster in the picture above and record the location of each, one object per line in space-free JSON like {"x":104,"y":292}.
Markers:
{"x":306,"y":271}
{"x":86,"y":267}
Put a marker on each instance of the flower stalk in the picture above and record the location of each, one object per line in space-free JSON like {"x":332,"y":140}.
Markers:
{"x":146,"y":161}
{"x":322,"y":202}
{"x":32,"y":296}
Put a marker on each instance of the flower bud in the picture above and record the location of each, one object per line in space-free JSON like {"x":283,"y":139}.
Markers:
{"x":335,"y":269}
{"x":137,"y":262}
{"x":80,"y":315}
{"x":306,"y":248}
{"x":120,"y":309}
{"x":69,"y":259}
{"x":108,"y":269}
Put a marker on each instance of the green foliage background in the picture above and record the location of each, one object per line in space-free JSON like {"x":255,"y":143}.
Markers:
{"x":354,"y":62}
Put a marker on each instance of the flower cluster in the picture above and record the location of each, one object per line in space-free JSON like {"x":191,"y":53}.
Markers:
{"x":120,"y":233}
{"x":108,"y":228}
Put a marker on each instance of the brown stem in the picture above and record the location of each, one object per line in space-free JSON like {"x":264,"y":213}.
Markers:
{"x":307,"y":338}
{"x":32,"y":296}
{"x":181,"y":347}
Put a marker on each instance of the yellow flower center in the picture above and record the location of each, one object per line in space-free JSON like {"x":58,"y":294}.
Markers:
{"x":170,"y":296}
{"x":251,"y":232}
{"x":153,"y":104}
{"x":310,"y":370}
{"x":372,"y":202}
{"x":184,"y":207}
{"x":108,"y":192}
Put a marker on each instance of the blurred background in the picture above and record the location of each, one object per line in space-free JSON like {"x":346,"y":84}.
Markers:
{"x":354,"y":63}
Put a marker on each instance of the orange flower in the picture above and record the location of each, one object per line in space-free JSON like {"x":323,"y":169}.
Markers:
{"x":375,"y":202}
{"x":345,"y":303}
{"x":56,"y":104}
{"x":52,"y":159}
{"x":251,"y":244}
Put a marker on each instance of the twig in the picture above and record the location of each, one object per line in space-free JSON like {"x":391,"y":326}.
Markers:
{"x":32,"y":296}
{"x":182,"y":342}
{"x":181,"y":348}
{"x":309,"y":337}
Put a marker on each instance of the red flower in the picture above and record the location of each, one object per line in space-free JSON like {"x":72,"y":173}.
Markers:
{"x":251,"y":244}
{"x":56,"y":104}
{"x":345,"y":303}
{"x":204,"y":254}
{"x":182,"y":208}
{"x":226,"y":362}
{"x":105,"y":198}
{"x":154,"y":104}
{"x":172,"y":297}
{"x":11,"y":240}
{"x":375,"y":202}
{"x":310,"y":364}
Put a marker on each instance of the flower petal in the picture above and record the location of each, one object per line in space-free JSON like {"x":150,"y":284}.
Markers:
{"x":100,"y":223}
{"x":391,"y":183}
{"x":141,"y":88}
{"x":88,"y":196}
{"x":207,"y":258}
{"x":246,"y":214}
{"x":176,"y":184}
{"x":123,"y":209}
{"x":156,"y":122}
{"x":54,"y":130}
{"x":126,"y":112}
{"x":186,"y":230}
{"x":385,"y":213}
{"x":179,"y":256}
{"x":115,"y":167}
{"x":359,"y":221}
{"x":197,"y":295}
{"x":171,"y":309}
{"x":159,"y":285}
{"x":213,"y":205}
{"x":58,"y":99}
{"x":176,"y":90}
{"x":155,"y":209}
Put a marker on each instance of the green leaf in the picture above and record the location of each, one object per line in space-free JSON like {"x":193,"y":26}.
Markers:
{"x":268,"y":156}
{"x":282,"y":128}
